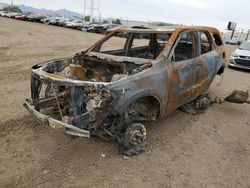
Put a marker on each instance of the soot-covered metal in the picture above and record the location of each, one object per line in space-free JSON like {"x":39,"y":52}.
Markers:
{"x":109,"y":92}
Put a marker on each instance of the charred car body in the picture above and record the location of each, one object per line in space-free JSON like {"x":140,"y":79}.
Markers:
{"x":119,"y":82}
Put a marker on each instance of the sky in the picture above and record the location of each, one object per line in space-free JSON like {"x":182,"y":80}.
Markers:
{"x":215,"y":13}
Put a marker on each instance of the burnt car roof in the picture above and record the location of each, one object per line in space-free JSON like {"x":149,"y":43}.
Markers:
{"x":162,"y":29}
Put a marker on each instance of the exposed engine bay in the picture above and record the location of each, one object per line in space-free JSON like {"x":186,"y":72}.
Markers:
{"x":84,"y":102}
{"x":94,"y":69}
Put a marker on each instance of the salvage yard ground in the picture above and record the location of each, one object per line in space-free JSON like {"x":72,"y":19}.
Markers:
{"x":208,"y":150}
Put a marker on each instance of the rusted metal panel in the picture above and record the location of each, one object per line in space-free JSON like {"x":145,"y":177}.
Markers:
{"x":102,"y":94}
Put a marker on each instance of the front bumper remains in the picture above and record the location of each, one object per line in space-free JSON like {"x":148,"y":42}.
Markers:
{"x":55,"y":124}
{"x":233,"y":63}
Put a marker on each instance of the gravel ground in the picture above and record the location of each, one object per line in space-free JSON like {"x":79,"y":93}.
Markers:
{"x":208,"y":150}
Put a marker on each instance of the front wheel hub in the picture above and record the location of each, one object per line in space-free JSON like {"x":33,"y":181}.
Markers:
{"x":134,"y":135}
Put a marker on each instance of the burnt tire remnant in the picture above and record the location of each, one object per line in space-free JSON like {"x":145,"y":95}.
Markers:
{"x":198,"y":105}
{"x":134,"y":140}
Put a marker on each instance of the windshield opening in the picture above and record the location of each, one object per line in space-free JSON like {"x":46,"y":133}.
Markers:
{"x":245,"y":46}
{"x":138,"y":45}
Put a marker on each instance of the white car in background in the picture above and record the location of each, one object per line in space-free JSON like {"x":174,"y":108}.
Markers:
{"x":241,"y":56}
{"x":4,"y":13}
{"x":233,"y":41}
{"x":13,"y":14}
{"x":75,"y":24}
{"x":46,"y":20}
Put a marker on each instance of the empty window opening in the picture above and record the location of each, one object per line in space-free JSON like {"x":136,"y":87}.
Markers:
{"x":186,"y":48}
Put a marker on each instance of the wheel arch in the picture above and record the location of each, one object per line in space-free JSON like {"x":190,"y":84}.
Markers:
{"x":153,"y":97}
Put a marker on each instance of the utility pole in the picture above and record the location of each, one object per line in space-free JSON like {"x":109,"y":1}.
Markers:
{"x":92,"y":8}
{"x":12,"y":4}
{"x":84,"y":13}
{"x":248,"y":34}
{"x":232,"y":34}
{"x":242,"y":31}
{"x":100,"y":17}
{"x":98,"y":11}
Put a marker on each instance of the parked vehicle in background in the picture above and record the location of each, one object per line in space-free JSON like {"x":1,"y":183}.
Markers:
{"x":233,"y":41}
{"x":12,"y":14}
{"x":110,"y":89}
{"x":57,"y":21}
{"x":226,"y":39}
{"x":94,"y":28}
{"x":3,"y":14}
{"x":46,"y":20}
{"x":74,"y":24}
{"x":110,"y":27}
{"x":100,"y":28}
{"x":106,"y":27}
{"x":86,"y":26}
{"x":241,"y":56}
{"x":35,"y":18}
{"x":21,"y":17}
{"x":9,"y":14}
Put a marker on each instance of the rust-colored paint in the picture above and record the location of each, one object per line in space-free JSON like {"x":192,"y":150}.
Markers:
{"x":97,"y":98}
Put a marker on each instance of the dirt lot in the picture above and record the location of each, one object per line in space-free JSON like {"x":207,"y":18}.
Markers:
{"x":209,"y":150}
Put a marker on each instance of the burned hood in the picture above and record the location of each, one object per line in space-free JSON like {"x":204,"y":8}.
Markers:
{"x":94,"y":69}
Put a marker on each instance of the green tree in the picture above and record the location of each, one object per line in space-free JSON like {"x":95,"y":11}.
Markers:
{"x":12,"y":9}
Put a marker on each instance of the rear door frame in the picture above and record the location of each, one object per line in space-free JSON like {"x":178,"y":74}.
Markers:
{"x":208,"y":63}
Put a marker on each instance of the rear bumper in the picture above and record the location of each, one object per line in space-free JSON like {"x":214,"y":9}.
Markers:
{"x":55,"y":124}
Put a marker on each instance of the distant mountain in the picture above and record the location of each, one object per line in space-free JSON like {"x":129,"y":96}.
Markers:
{"x":60,"y":12}
{"x":69,"y":14}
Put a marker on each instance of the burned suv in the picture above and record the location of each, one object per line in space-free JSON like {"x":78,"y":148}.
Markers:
{"x":132,"y":75}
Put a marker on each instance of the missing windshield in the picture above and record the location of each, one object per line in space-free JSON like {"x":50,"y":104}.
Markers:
{"x":137,"y":45}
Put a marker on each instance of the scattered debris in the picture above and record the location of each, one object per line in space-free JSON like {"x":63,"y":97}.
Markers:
{"x":103,"y":156}
{"x":238,"y":96}
{"x":125,"y":157}
{"x":198,"y":105}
